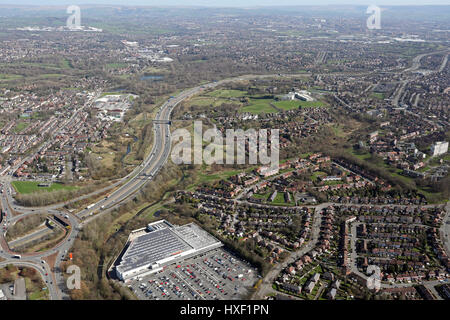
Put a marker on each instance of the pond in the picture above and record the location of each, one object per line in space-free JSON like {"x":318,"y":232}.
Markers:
{"x":152,"y":77}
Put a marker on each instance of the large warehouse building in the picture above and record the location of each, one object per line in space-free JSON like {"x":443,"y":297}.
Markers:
{"x":149,"y":249}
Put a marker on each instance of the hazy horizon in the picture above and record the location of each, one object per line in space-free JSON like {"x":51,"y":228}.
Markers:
{"x":223,"y":3}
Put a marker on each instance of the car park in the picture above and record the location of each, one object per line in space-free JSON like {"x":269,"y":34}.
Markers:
{"x":198,"y":278}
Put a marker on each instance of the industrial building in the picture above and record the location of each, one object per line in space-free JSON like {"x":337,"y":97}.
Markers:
{"x":160,"y":244}
{"x":302,"y":95}
{"x":113,"y":107}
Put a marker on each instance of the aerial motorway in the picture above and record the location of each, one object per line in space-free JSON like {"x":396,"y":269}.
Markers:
{"x":125,"y":188}
{"x":121,"y":190}
{"x":142,"y":174}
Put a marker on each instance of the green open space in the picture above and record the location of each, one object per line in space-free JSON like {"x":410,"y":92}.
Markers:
{"x":279,"y":199}
{"x":257,"y":103}
{"x":261,"y":196}
{"x":258,"y":106}
{"x":32,"y":186}
{"x":116,"y":65}
{"x":7,"y":77}
{"x":104,"y":94}
{"x":223,"y":93}
{"x":65,"y":64}
{"x":317,"y":174}
{"x":20,"y":127}
{"x":50,"y":75}
{"x":207,"y":101}
{"x":295,"y":104}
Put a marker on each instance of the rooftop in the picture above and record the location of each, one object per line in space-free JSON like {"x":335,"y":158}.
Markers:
{"x":162,"y":241}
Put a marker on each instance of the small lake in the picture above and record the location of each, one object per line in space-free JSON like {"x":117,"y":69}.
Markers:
{"x":153,"y":77}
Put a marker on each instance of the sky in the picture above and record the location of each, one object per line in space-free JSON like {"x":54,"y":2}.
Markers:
{"x":226,"y":3}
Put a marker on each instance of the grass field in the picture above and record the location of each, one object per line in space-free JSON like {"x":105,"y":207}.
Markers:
{"x":317,"y":174}
{"x":378,"y":95}
{"x":258,"y":106}
{"x":257,"y":103}
{"x":65,"y":64}
{"x":279,"y":199}
{"x":104,"y":152}
{"x":287,"y":105}
{"x":261,"y":196}
{"x":217,"y":176}
{"x":38,"y":295}
{"x":32,"y":186}
{"x":358,"y":154}
{"x":116,"y":65}
{"x":20,"y":127}
{"x":51,"y":75}
{"x":227,"y":93}
{"x":7,"y":77}
{"x":208,"y":177}
{"x":206,"y":101}
{"x":294,"y":104}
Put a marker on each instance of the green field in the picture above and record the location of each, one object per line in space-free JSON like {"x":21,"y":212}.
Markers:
{"x":279,"y":198}
{"x":7,"y":77}
{"x":65,"y":64}
{"x":116,"y":65}
{"x":205,"y":101}
{"x":261,"y":196}
{"x":258,"y":106}
{"x":51,"y":75}
{"x":20,"y":127}
{"x":317,"y":174}
{"x":218,"y":176}
{"x":294,"y":104}
{"x":32,"y":186}
{"x":287,"y":105}
{"x":227,"y":93}
{"x":378,"y":95}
